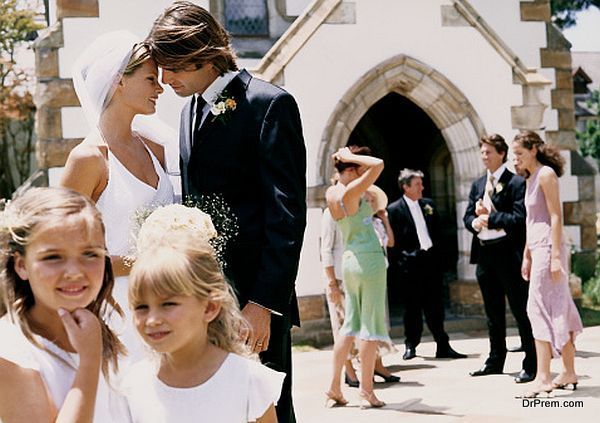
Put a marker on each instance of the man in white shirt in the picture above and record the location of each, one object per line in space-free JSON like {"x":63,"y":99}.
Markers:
{"x":496,"y":217}
{"x":414,"y":221}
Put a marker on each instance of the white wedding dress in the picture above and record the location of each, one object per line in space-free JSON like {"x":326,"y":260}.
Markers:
{"x":122,"y":202}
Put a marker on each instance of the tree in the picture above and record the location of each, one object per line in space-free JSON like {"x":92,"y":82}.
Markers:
{"x":563,"y":11}
{"x":17,"y":29}
{"x":589,"y":138}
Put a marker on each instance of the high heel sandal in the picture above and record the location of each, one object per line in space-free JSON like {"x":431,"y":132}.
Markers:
{"x":351,"y":383}
{"x":388,"y":379}
{"x":565,"y":386}
{"x":370,"y":400}
{"x":333,"y":400}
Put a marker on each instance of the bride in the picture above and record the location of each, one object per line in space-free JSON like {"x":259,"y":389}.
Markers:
{"x":122,"y":164}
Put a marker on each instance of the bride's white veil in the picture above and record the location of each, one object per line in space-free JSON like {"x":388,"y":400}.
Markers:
{"x":96,"y":75}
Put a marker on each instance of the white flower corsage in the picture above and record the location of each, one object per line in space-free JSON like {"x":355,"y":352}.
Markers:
{"x":428,"y":210}
{"x":223,"y":106}
{"x":499,"y":188}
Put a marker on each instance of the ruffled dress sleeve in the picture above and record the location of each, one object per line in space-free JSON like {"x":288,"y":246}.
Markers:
{"x":15,"y":347}
{"x":264,"y":389}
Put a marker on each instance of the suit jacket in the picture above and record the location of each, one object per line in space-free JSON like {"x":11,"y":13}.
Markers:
{"x":255,"y":158}
{"x":406,"y":241}
{"x":509,"y":215}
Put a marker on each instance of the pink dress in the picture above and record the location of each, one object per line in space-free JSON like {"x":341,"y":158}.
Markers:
{"x":550,"y":306}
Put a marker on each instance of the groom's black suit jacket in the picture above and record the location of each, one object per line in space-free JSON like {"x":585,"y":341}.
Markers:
{"x":509,"y":202}
{"x":255,"y":157}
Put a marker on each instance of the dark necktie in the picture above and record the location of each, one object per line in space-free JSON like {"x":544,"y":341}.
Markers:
{"x":200,"y":102}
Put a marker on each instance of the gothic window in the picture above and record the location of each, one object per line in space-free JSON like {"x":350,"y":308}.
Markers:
{"x":246,"y":17}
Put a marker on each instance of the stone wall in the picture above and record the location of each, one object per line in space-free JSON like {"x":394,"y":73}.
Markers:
{"x":52,"y":92}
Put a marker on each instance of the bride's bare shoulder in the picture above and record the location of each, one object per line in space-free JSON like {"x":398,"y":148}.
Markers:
{"x":92,"y":150}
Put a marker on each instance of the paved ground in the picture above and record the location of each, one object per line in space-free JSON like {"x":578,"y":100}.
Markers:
{"x":442,"y":391}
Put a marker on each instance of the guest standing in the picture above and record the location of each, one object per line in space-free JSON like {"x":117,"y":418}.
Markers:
{"x":363,"y":266}
{"x":332,"y":248}
{"x":414,"y":221}
{"x":496,"y":217}
{"x":554,"y":317}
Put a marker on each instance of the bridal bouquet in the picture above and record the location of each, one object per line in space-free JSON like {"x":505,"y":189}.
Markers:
{"x":208,"y":217}
{"x":171,"y":220}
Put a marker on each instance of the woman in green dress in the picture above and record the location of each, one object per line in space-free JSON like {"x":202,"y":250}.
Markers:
{"x":363,"y":268}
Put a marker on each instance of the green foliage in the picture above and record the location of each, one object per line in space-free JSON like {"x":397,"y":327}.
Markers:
{"x":589,"y":138}
{"x":563,"y":11}
{"x":591,"y":288}
{"x":17,"y":28}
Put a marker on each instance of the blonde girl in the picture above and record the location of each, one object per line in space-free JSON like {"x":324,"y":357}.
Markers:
{"x":55,"y":283}
{"x":187,"y":314}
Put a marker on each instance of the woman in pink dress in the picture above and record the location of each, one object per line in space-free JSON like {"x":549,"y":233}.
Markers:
{"x":554,"y":318}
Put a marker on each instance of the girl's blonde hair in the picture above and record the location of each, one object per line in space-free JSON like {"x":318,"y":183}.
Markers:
{"x":186,"y":265}
{"x":18,"y":223}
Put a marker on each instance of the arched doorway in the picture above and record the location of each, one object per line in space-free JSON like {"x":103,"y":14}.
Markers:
{"x":451,"y":154}
{"x":401,"y":133}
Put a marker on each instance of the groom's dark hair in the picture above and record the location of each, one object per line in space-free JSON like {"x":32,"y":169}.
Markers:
{"x":187,"y":36}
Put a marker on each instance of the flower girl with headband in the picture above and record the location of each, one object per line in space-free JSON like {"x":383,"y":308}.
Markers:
{"x":187,"y":314}
{"x":56,"y":351}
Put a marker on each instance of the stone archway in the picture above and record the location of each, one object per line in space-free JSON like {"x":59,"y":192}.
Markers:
{"x":443,"y":102}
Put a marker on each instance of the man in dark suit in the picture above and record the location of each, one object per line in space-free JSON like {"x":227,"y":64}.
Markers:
{"x":496,"y":217}
{"x":414,"y":221}
{"x":241,"y":137}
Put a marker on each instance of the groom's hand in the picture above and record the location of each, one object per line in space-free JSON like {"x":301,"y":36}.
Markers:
{"x":259,"y":319}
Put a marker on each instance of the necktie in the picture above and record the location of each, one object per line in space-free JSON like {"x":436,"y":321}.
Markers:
{"x":200,"y":102}
{"x":489,"y":191}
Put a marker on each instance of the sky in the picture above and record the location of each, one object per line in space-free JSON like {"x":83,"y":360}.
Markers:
{"x":585,"y":35}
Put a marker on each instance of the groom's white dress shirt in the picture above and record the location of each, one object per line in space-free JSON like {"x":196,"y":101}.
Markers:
{"x":211,"y":93}
{"x":417,"y":215}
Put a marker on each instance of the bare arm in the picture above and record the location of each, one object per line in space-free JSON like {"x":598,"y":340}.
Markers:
{"x":86,"y":171}
{"x":269,"y":417}
{"x":383,"y":215}
{"x":24,"y":396}
{"x":549,"y":185}
{"x":354,"y":190}
{"x":526,"y":264}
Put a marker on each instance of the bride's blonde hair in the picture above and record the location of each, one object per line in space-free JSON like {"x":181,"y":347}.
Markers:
{"x":186,"y":265}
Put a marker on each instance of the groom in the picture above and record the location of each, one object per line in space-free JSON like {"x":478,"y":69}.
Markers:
{"x":241,"y":137}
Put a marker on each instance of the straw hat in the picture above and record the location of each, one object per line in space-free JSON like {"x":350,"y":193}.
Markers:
{"x":381,"y":200}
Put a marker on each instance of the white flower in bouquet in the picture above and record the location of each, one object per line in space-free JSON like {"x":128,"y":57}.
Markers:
{"x":171,"y":220}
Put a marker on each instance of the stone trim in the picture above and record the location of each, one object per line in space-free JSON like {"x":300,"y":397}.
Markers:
{"x":296,"y":36}
{"x":52,"y":92}
{"x":54,"y":152}
{"x":530,"y":114}
{"x":76,"y":8}
{"x":538,"y":10}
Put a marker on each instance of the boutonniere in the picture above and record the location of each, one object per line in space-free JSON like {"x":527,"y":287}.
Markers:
{"x":499,"y":188}
{"x":223,"y":106}
{"x":428,"y":210}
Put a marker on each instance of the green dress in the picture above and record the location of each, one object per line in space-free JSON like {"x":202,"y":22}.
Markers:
{"x":364,"y":275}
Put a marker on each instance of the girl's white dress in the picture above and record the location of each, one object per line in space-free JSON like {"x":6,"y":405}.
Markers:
{"x":56,"y":374}
{"x":240,"y":391}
